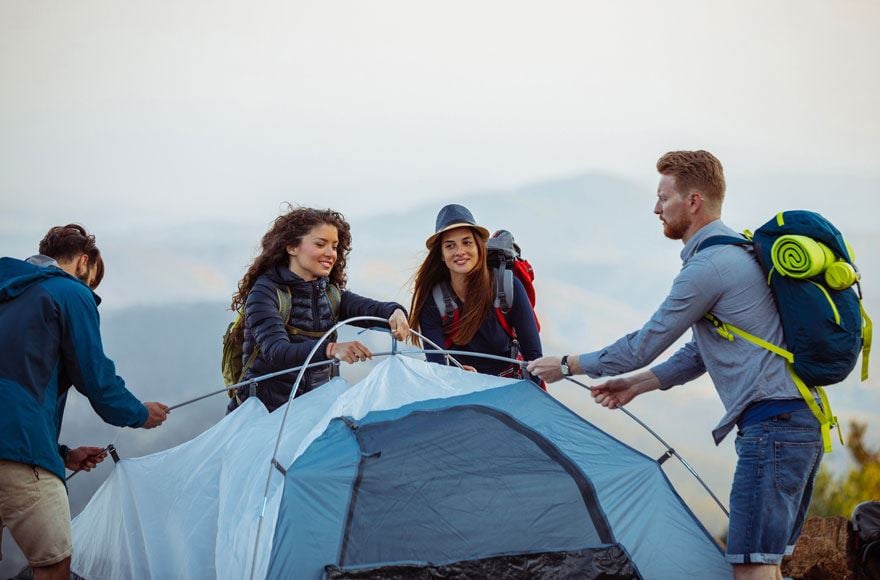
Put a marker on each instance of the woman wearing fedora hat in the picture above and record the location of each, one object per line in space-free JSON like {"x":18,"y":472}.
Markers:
{"x":291,"y":295}
{"x":455,"y":275}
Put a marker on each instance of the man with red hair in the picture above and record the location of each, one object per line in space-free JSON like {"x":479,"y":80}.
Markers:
{"x":778,"y":443}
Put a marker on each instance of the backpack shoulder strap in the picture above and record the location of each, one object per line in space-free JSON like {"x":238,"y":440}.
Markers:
{"x":247,"y":365}
{"x":335,"y":298}
{"x":509,"y":330}
{"x":867,"y":336}
{"x":285,"y":303}
{"x":449,"y":312}
{"x":444,"y":300}
{"x":723,"y":241}
{"x":503,"y":288}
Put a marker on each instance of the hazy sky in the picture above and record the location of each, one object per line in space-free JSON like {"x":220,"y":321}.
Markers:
{"x":122,"y":114}
{"x":165,"y":112}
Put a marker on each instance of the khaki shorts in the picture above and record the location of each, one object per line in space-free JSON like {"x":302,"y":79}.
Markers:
{"x":33,"y":505}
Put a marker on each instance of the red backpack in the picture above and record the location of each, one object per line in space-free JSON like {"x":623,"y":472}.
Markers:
{"x":505,"y":261}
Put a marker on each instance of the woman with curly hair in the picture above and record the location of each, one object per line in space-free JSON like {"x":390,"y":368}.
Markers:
{"x":455,"y":271}
{"x":294,"y":292}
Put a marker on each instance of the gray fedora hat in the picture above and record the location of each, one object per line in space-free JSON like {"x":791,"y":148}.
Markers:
{"x":455,"y":216}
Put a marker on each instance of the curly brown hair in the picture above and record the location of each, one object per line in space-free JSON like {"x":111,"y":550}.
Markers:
{"x":288,"y":230}
{"x":478,"y":287}
{"x":65,"y":243}
{"x":695,"y":170}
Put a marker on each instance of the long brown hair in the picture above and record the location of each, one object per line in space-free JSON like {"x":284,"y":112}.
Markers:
{"x":478,"y":290}
{"x":288,"y":230}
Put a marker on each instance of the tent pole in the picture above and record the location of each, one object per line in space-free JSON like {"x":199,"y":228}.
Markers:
{"x":669,"y":449}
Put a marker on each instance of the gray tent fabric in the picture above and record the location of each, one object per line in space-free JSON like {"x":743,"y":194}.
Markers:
{"x":454,"y":471}
{"x":503,"y":471}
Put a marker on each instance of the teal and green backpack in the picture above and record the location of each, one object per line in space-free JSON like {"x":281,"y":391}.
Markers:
{"x":231,"y":365}
{"x":813,"y":277}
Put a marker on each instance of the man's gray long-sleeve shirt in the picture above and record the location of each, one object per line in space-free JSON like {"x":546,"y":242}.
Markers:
{"x":728,"y":282}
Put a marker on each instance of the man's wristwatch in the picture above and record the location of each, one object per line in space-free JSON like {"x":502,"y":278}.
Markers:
{"x":566,"y":372}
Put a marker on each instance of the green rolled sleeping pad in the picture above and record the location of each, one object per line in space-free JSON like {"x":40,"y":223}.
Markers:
{"x":801,"y":257}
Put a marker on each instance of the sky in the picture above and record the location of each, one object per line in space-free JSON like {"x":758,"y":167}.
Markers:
{"x":169,"y":112}
{"x":148,"y":120}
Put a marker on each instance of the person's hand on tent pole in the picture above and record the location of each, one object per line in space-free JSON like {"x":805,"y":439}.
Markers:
{"x":618,"y":392}
{"x":350,"y":352}
{"x":399,"y":325}
{"x":84,"y":458}
{"x":158,"y":412}
{"x":549,"y":368}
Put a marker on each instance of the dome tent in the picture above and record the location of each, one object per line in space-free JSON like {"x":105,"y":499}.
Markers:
{"x":416,"y":466}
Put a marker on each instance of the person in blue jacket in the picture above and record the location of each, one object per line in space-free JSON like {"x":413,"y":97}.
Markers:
{"x":456,"y":266}
{"x":302,"y":263}
{"x":50,"y":340}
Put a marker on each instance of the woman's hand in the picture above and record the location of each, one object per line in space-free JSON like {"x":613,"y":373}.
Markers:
{"x":350,"y":352}
{"x":399,"y":325}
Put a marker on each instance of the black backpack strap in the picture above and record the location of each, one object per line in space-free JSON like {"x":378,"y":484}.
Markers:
{"x":723,"y":241}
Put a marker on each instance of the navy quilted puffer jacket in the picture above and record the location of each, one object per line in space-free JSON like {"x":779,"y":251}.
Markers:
{"x":310,"y":310}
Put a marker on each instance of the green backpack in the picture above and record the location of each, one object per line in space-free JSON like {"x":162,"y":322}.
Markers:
{"x":233,"y":342}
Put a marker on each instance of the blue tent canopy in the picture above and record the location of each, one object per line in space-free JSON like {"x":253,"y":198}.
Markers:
{"x":504,"y":471}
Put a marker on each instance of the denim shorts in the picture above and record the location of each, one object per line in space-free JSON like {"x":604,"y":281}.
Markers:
{"x":772,"y":486}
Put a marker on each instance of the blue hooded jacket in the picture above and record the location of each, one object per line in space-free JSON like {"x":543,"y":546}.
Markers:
{"x":50,"y":340}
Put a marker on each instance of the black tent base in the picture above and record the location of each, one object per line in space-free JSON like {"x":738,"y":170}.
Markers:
{"x":609,"y":562}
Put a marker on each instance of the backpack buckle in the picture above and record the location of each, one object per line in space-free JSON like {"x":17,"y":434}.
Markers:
{"x":720,"y":327}
{"x":724,"y":333}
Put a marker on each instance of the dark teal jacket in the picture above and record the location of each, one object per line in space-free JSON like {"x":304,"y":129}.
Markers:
{"x":50,"y":340}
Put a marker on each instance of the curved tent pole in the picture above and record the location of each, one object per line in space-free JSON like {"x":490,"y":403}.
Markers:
{"x":293,"y":391}
{"x":259,"y":379}
{"x":254,"y":380}
{"x":669,"y":449}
